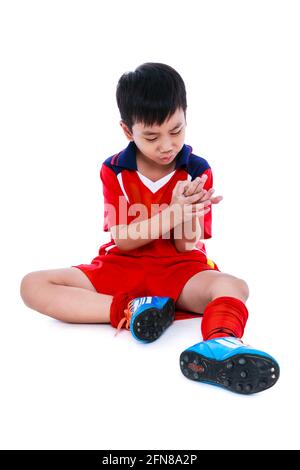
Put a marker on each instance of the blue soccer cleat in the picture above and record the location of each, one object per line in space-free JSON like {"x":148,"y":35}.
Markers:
{"x":229,"y":363}
{"x":148,"y":317}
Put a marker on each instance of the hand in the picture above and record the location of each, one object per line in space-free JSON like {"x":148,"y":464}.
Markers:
{"x":188,"y":206}
{"x":196,"y":187}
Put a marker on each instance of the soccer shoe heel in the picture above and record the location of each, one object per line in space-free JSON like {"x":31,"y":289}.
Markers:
{"x":243,"y":373}
{"x":152,"y":322}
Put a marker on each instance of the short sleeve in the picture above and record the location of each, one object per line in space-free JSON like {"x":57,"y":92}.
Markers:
{"x":206,"y":220}
{"x":115,"y":202}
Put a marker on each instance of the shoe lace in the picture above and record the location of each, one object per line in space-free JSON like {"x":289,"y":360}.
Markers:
{"x":127,"y":317}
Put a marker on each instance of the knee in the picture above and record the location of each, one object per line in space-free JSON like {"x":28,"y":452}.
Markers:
{"x":228,"y":283}
{"x":28,"y":288}
{"x":243,"y":287}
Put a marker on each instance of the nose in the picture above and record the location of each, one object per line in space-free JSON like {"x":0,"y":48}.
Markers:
{"x":166,"y":149}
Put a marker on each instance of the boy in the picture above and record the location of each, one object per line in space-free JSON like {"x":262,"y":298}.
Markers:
{"x":155,"y":263}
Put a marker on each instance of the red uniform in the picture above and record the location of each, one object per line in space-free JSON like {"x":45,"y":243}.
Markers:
{"x":157,"y":268}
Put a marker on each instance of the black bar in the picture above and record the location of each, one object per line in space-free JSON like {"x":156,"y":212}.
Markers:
{"x":103,"y":458}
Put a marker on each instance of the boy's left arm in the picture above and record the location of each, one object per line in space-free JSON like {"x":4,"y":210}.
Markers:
{"x":199,"y":227}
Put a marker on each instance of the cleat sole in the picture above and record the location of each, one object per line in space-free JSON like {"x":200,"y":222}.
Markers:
{"x":243,"y":373}
{"x":150,"y":324}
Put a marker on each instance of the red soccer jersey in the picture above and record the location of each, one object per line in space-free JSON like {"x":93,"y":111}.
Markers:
{"x":129,"y":195}
{"x":156,"y":268}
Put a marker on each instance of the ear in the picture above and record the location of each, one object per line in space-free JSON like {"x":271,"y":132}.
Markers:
{"x":127,"y":132}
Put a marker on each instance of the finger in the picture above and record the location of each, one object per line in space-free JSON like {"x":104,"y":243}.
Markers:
{"x":203,"y":212}
{"x":217,"y":199}
{"x":203,"y":179}
{"x":179,"y":188}
{"x":208,"y":194}
{"x":198,"y":185}
{"x":184,"y":187}
{"x":199,"y":189}
{"x":205,"y":195}
{"x":190,"y":189}
{"x":187,"y":191}
{"x":201,"y":205}
{"x":196,"y":197}
{"x":201,"y":197}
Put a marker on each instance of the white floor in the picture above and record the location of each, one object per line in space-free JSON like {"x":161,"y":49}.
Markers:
{"x":78,"y":386}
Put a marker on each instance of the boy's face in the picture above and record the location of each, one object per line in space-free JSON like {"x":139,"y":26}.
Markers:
{"x":160,"y":144}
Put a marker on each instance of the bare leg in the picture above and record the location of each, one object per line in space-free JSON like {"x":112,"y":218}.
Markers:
{"x":206,"y":286}
{"x":65,"y":294}
{"x":231,"y":286}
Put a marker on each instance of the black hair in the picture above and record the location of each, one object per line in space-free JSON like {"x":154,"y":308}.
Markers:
{"x":150,"y":94}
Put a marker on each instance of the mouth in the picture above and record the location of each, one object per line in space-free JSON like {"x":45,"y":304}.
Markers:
{"x":167,"y":158}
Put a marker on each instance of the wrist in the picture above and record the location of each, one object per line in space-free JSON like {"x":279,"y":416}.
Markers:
{"x":175,"y":213}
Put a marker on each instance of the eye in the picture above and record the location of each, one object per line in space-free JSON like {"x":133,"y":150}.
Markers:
{"x":175,"y":133}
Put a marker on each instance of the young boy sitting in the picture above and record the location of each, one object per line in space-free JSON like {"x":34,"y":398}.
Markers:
{"x":155,"y":266}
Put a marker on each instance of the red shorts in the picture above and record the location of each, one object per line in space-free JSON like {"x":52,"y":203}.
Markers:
{"x":113,"y":273}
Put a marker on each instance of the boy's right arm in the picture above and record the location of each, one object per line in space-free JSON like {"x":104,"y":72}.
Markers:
{"x":136,"y":234}
{"x":180,"y":210}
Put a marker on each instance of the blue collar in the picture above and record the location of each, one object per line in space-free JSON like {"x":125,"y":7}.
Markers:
{"x":127,"y":157}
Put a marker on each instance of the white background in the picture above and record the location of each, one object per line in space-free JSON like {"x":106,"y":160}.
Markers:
{"x":77,"y":386}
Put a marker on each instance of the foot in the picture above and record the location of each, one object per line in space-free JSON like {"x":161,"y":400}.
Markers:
{"x":148,"y":317}
{"x":229,"y":363}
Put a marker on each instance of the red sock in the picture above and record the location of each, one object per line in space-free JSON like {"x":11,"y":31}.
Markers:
{"x":117,"y":307}
{"x":224,"y":316}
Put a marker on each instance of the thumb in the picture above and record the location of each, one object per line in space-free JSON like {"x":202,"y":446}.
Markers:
{"x":179,"y":188}
{"x":182,"y":186}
